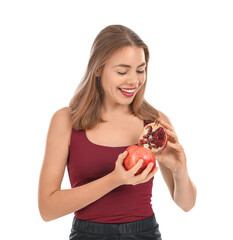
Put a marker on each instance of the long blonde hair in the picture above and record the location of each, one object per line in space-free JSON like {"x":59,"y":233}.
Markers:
{"x":86,"y":103}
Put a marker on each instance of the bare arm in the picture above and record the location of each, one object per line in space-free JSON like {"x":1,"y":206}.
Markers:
{"x":63,"y":202}
{"x":54,"y":202}
{"x":182,"y":189}
{"x":173,"y":167}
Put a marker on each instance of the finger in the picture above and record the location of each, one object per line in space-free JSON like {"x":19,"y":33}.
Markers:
{"x":136,"y":167}
{"x":120,"y":160}
{"x":147,"y":170}
{"x":175,"y":146}
{"x":150,"y":175}
{"x":166,"y":125}
{"x":122,"y":156}
{"x":171,"y":135}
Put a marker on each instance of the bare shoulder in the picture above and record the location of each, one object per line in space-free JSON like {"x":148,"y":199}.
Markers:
{"x":55,"y":156}
{"x":61,"y":122}
{"x":62,"y":117}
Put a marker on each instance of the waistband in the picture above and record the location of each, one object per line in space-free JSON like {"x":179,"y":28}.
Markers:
{"x":115,"y":228}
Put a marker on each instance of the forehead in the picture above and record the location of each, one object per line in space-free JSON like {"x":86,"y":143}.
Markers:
{"x":127,"y":55}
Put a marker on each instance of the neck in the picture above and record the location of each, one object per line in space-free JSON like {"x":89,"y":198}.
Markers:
{"x":115,"y":112}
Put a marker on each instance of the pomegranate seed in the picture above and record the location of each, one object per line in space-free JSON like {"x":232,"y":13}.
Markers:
{"x":159,"y":137}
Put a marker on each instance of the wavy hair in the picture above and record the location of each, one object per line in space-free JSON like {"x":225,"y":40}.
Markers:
{"x":86,"y":102}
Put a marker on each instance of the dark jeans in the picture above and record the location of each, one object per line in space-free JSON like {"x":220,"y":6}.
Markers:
{"x":146,"y":228}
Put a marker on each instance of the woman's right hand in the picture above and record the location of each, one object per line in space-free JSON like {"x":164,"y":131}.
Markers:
{"x":123,"y":176}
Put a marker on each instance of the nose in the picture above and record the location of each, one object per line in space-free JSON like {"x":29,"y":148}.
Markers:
{"x":133,"y":80}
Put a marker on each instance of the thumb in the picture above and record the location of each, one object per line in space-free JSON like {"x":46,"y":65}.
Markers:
{"x":122,"y":156}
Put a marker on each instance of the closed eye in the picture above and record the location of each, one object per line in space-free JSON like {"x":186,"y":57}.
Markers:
{"x":121,"y":73}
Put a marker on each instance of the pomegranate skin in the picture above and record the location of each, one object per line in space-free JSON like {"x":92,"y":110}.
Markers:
{"x":153,"y":137}
{"x":135,"y":153}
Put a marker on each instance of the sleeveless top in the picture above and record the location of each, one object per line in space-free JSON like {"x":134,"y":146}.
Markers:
{"x":86,"y":163}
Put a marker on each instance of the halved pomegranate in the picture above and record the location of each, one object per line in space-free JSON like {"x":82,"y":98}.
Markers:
{"x":153,"y":137}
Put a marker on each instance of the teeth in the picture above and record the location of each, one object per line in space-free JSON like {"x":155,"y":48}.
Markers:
{"x":128,"y":91}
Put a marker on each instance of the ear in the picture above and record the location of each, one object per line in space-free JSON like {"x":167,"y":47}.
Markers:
{"x":98,"y":71}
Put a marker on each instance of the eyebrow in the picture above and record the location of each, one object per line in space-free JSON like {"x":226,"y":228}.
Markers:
{"x":128,"y":66}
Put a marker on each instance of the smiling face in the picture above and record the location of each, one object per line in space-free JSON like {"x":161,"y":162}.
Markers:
{"x":123,"y":75}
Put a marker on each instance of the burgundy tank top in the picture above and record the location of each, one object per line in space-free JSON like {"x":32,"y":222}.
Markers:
{"x":87,"y":162}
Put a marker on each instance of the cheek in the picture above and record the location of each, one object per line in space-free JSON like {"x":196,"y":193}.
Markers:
{"x":108,"y":80}
{"x":112,"y":79}
{"x":142,"y":77}
{"x":142,"y":80}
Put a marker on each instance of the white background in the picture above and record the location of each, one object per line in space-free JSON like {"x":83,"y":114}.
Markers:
{"x":44,"y":49}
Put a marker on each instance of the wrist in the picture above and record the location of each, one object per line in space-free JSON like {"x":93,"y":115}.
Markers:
{"x":114,"y":179}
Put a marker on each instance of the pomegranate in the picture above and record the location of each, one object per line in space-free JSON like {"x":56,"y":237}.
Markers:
{"x":153,"y":137}
{"x":135,"y":153}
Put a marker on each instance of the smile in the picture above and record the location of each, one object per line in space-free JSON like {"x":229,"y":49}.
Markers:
{"x":128,"y":91}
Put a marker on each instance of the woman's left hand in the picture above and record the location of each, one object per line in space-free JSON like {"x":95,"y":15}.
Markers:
{"x":173,"y":156}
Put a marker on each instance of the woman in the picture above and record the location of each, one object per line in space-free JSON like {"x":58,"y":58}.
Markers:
{"x":104,"y":117}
